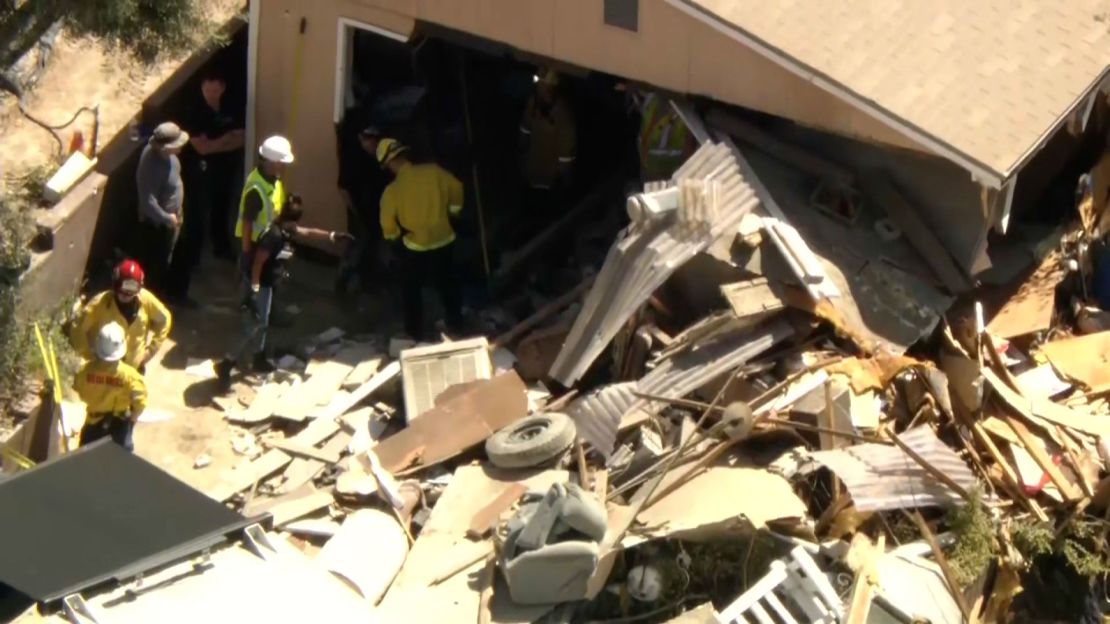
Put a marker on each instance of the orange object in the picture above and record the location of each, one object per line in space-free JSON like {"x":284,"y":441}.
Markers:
{"x":76,"y":142}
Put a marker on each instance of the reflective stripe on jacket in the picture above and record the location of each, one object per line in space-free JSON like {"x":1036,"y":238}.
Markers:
{"x":273,"y":199}
{"x":420,"y":203}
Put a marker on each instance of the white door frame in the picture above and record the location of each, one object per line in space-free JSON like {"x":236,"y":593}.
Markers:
{"x":345,"y":31}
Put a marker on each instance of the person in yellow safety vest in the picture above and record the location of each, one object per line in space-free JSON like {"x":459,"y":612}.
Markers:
{"x":114,"y":393}
{"x":263,"y":197}
{"x":146,"y":320}
{"x":664,"y":142}
{"x":417,"y":207}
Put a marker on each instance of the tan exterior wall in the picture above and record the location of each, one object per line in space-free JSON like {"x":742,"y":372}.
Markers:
{"x":671,"y":50}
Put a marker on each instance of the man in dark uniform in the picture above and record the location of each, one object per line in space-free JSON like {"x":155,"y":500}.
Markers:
{"x":361,"y":182}
{"x":210,"y":164}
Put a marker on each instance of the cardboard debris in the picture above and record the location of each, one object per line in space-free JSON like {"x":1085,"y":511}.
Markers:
{"x":1030,"y":309}
{"x":465,"y":415}
{"x":697,"y":511}
{"x":1084,"y":359}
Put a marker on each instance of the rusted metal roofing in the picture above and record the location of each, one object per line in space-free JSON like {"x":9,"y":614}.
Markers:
{"x":880,"y":477}
{"x":651,"y":249}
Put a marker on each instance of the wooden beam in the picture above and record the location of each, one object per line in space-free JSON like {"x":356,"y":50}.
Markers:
{"x":942,"y":561}
{"x":544,"y":313}
{"x":1033,"y":445}
{"x":328,"y":457}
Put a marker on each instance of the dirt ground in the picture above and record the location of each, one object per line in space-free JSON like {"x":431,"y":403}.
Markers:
{"x":196,"y":426}
{"x":84,"y":72}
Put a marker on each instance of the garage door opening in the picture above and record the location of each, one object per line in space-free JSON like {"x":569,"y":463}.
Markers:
{"x":476,"y":108}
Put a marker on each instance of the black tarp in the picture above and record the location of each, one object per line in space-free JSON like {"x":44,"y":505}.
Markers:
{"x":100,"y":514}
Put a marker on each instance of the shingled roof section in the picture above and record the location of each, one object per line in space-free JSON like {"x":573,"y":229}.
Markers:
{"x":984,"y":82}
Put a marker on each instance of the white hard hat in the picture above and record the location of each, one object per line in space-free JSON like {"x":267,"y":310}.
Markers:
{"x":111,"y":343}
{"x":276,"y":149}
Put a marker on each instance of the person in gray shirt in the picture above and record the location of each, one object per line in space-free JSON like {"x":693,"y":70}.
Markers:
{"x":161,"y":195}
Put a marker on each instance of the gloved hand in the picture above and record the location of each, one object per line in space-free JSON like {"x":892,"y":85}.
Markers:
{"x":343,"y":237}
{"x":251,"y":304}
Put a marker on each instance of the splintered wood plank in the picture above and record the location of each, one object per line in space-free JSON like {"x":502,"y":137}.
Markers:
{"x":247,"y":474}
{"x":303,"y":470}
{"x":289,"y":507}
{"x":262,"y":407}
{"x":363,"y":372}
{"x":301,"y":450}
{"x":300,"y":401}
{"x":1035,"y":447}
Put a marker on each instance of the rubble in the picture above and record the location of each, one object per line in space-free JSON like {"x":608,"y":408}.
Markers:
{"x":840,"y":438}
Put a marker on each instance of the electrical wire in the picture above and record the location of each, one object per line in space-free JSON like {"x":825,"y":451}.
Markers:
{"x":52,"y":129}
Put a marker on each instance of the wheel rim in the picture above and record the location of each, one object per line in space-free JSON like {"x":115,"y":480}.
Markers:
{"x":529,"y":432}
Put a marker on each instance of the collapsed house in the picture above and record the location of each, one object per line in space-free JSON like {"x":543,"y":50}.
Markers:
{"x":774,"y":398}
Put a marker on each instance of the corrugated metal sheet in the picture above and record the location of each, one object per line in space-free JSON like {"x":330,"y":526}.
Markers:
{"x":688,"y":371}
{"x":648,"y":252}
{"x":880,"y":477}
{"x":598,"y":414}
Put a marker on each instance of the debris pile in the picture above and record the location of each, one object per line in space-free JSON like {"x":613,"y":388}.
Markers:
{"x":769,"y":457}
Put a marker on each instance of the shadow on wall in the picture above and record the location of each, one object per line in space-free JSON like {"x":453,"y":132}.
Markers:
{"x":113,"y":237}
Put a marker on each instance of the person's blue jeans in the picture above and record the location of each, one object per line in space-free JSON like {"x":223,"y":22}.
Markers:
{"x":256,"y":322}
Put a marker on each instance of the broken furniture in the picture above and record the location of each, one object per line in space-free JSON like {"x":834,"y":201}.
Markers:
{"x":550,"y":548}
{"x":795,"y":590}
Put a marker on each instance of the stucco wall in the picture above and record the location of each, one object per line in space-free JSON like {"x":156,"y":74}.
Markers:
{"x":671,"y":50}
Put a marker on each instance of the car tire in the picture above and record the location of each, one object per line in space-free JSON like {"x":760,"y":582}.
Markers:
{"x":532,"y":441}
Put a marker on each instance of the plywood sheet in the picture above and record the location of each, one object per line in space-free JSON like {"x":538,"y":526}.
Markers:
{"x":699,"y":508}
{"x":1085,"y":359}
{"x":1030,"y":309}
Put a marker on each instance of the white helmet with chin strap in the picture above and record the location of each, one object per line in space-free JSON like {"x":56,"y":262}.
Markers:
{"x":276,"y":149}
{"x":111,"y":343}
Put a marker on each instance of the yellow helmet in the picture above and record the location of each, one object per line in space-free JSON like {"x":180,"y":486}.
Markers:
{"x":388,"y":149}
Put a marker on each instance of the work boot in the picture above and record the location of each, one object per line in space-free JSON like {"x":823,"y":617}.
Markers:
{"x":263,"y":364}
{"x":223,"y":374}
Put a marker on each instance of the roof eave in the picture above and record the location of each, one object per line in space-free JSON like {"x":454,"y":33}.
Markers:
{"x":980,"y":171}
